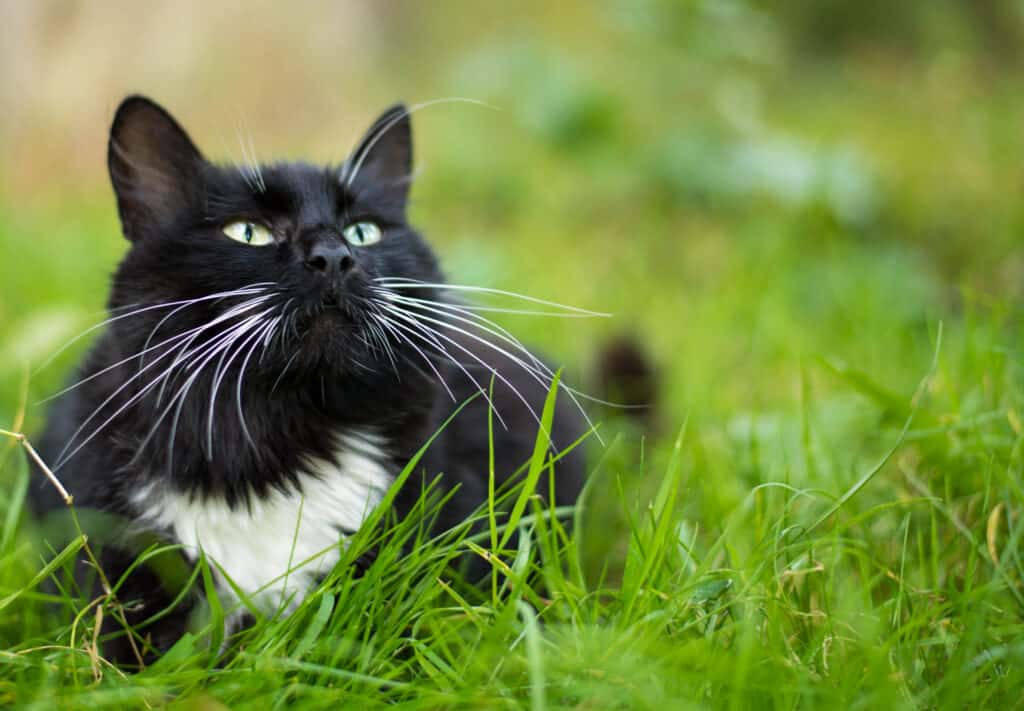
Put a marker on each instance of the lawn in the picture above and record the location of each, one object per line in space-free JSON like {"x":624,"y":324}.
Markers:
{"x":819,"y":247}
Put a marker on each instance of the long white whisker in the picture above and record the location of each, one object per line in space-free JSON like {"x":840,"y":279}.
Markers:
{"x":401,"y":339}
{"x":237,"y":308}
{"x":120,"y":362}
{"x":207,"y":347}
{"x":230,"y":313}
{"x":161,"y":379}
{"x":105,"y":322}
{"x":488,"y":326}
{"x":64,"y":455}
{"x":416,"y":321}
{"x":530,"y":370}
{"x":241,"y":376}
{"x":381,"y":329}
{"x":517,"y":312}
{"x":380,"y":340}
{"x":405,"y":339}
{"x":427,"y":335}
{"x":403,"y":283}
{"x":451,"y":311}
{"x":177,"y":348}
{"x":97,"y":374}
{"x":284,"y":322}
{"x":198,"y":364}
{"x":63,"y":459}
{"x":218,"y":376}
{"x":354,"y":171}
{"x":471,"y":308}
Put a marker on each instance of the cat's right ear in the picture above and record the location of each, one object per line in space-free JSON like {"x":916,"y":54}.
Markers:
{"x":383,"y":158}
{"x":155,"y":168}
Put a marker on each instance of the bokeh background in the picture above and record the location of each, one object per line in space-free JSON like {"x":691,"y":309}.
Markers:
{"x":781,"y":201}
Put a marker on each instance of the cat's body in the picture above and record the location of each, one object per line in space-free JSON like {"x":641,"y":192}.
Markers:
{"x":280,"y":346}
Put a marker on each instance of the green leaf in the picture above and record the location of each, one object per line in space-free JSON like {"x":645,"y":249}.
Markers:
{"x":46,"y":571}
{"x":710,"y":590}
{"x":216,"y":609}
{"x":540,"y":452}
{"x":316,"y":626}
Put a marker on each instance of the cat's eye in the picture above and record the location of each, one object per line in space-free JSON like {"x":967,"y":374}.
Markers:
{"x":361,"y":234}
{"x":249,"y":233}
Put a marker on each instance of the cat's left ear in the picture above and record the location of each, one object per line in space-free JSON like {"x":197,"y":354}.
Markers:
{"x":383,"y":159}
{"x":155,"y":168}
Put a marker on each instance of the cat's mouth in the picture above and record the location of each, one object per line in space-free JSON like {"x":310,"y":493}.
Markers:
{"x":325,"y":323}
{"x":329,"y":316}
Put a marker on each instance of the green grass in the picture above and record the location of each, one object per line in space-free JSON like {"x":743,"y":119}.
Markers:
{"x":820,"y":248}
{"x":902,"y":588}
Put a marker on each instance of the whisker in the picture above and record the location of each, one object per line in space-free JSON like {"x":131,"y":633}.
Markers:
{"x":489,"y":326}
{"x":268,"y":330}
{"x":348,"y":175}
{"x":378,"y":338}
{"x":61,"y":458}
{"x":416,"y":321}
{"x":219,"y":373}
{"x":428,"y":336}
{"x":515,"y":359}
{"x":383,"y":320}
{"x":144,"y":309}
{"x":403,"y":283}
{"x":514,"y":312}
{"x":231,"y":313}
{"x":285,"y":315}
{"x":184,"y":357}
{"x":284,"y":370}
{"x":444,"y":309}
{"x":472,"y":309}
{"x":256,"y":166}
{"x":237,"y":308}
{"x":197,"y":365}
{"x":250,"y":168}
{"x":388,"y":351}
{"x":97,"y":374}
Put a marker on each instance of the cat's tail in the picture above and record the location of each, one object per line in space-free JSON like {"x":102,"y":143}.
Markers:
{"x":626,"y":377}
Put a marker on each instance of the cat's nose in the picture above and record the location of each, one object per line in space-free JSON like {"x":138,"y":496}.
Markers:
{"x":330,"y":257}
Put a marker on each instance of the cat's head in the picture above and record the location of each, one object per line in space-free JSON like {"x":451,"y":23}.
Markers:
{"x":287,"y":254}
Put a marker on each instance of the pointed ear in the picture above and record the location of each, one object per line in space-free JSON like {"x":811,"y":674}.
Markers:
{"x":383,"y":158}
{"x":154,"y":167}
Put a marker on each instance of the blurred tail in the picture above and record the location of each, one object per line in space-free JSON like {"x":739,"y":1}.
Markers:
{"x":626,"y":378}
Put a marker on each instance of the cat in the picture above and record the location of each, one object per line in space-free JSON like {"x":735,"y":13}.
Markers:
{"x":281,"y":343}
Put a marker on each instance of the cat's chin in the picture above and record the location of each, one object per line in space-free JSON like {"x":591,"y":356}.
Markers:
{"x":327,"y":327}
{"x":332,"y":316}
{"x":329,"y":339}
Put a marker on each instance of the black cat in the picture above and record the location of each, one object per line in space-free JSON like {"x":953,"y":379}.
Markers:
{"x":280,"y":337}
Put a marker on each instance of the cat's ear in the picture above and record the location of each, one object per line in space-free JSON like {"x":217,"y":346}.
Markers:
{"x":383,"y":158}
{"x":155,"y":168}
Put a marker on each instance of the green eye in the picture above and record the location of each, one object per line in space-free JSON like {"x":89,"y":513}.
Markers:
{"x":249,"y":233}
{"x":361,"y":234}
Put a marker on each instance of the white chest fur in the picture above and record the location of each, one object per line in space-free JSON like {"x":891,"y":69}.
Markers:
{"x":276,"y":549}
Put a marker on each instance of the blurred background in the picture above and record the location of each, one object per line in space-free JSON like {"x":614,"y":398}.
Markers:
{"x":781,"y":201}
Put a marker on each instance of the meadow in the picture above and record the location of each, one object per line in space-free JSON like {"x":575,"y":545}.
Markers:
{"x":819,"y":247}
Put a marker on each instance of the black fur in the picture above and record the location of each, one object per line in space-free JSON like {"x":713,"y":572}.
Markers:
{"x":315,"y":378}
